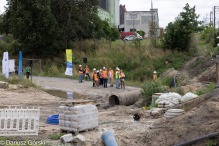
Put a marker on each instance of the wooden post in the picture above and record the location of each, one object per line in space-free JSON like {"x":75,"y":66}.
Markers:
{"x":81,"y":45}
{"x":94,"y":44}
{"x":110,"y":43}
{"x":31,"y":73}
{"x":217,"y":68}
{"x":124,"y":43}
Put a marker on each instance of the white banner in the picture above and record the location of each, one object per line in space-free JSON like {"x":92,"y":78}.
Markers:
{"x":5,"y":65}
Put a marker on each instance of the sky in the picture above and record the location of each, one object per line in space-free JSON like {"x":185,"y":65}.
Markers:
{"x":167,"y":9}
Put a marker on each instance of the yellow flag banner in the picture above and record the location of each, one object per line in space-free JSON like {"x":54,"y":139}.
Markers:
{"x":69,"y":67}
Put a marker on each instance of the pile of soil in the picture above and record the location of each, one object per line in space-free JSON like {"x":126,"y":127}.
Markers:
{"x":188,"y":88}
{"x":169,"y":73}
{"x":208,"y":75}
{"x":200,"y":121}
{"x":200,"y":65}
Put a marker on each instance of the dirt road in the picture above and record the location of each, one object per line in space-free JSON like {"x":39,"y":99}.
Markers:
{"x":86,"y":88}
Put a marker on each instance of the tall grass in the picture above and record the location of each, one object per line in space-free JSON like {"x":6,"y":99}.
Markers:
{"x":25,"y":83}
{"x":137,"y":64}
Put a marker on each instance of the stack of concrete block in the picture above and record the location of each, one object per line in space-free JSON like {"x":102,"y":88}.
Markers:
{"x":78,"y":118}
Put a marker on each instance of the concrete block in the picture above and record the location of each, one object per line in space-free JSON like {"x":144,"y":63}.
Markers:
{"x":3,"y":85}
{"x":79,"y":139}
{"x":66,"y":138}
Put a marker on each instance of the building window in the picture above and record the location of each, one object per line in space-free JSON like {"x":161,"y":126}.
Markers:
{"x":132,"y":30}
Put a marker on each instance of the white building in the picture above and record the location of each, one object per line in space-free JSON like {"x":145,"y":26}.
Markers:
{"x":139,"y":20}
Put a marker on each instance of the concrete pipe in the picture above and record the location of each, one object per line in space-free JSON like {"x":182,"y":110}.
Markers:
{"x":125,"y":98}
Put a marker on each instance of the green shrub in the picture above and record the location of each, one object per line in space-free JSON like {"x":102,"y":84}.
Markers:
{"x":56,"y":136}
{"x":151,"y":87}
{"x":167,"y":81}
{"x":206,"y":90}
{"x":180,"y":91}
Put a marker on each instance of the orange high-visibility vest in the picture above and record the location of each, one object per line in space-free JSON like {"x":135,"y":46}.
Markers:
{"x":104,"y":74}
{"x":155,"y":78}
{"x":80,"y":72}
{"x":122,"y":75}
{"x":112,"y":73}
{"x":86,"y":70}
{"x":95,"y":77}
{"x":101,"y":74}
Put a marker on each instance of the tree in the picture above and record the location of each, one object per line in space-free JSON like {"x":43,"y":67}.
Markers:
{"x":32,"y":24}
{"x":74,"y":19}
{"x":178,"y":34}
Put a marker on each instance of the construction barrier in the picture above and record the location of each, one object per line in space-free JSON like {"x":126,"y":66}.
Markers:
{"x":18,"y":122}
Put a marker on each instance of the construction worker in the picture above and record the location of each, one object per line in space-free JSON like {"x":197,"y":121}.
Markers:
{"x":117,"y":78}
{"x":155,"y":76}
{"x":122,"y":79}
{"x":98,"y":76}
{"x":93,"y":77}
{"x":28,"y":72}
{"x":105,"y":77}
{"x":111,"y":74}
{"x":96,"y":79}
{"x":87,"y":72}
{"x":80,"y":73}
{"x":101,"y":77}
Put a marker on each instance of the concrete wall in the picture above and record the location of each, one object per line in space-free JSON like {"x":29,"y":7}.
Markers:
{"x":112,"y":13}
{"x":103,"y":14}
{"x":139,"y":20}
{"x":117,"y":16}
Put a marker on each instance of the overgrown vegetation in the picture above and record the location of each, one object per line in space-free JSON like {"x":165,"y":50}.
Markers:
{"x":178,"y":34}
{"x":150,"y":87}
{"x":56,"y":136}
{"x":138,"y":64}
{"x":47,"y":27}
{"x":25,"y":83}
{"x":206,"y":90}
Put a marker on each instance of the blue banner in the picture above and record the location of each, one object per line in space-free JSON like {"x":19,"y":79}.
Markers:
{"x":20,"y":70}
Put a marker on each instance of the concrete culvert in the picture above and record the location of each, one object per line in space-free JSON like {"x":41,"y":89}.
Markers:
{"x":125,"y":98}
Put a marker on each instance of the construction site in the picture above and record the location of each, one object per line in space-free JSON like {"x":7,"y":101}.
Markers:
{"x":73,"y":74}
{"x":116,"y":109}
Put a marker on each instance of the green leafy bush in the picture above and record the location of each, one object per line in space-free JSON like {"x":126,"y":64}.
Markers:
{"x":151,"y":87}
{"x":206,"y":90}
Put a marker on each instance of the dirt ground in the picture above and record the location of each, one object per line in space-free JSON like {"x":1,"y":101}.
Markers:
{"x":198,"y":122}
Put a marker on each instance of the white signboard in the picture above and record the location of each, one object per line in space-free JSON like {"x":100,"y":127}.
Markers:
{"x":11,"y":65}
{"x":5,"y":65}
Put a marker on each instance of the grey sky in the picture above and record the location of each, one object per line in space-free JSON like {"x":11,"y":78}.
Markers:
{"x":167,"y":9}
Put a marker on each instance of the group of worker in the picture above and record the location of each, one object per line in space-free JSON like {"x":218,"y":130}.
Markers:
{"x":100,"y":77}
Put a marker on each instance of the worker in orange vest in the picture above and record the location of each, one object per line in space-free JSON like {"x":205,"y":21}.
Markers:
{"x":87,"y":72}
{"x":122,"y":79}
{"x":155,"y":76}
{"x":80,"y":73}
{"x":111,"y":74}
{"x":96,"y":79}
{"x":105,"y":77}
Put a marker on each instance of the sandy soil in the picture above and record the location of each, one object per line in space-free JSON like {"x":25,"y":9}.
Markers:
{"x":48,"y":105}
{"x":200,"y":121}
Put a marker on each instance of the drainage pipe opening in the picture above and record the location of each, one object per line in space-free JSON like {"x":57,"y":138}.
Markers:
{"x":124,"y":98}
{"x":113,"y":100}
